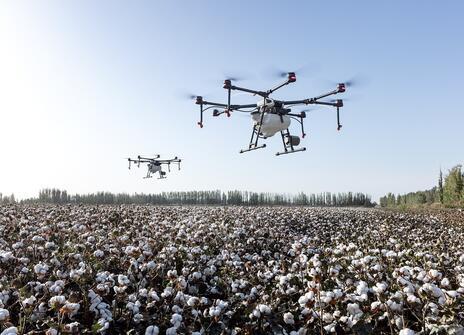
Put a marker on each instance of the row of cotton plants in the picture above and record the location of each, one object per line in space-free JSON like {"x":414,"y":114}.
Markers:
{"x":212,"y":270}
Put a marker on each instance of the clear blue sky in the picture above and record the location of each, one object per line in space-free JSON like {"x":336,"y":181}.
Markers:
{"x":84,"y":84}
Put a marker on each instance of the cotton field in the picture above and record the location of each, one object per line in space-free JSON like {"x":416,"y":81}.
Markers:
{"x":235,"y":270}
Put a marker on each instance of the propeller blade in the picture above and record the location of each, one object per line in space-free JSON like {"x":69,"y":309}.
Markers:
{"x":355,"y":81}
{"x":281,"y":73}
{"x":189,"y":96}
{"x":234,"y":77}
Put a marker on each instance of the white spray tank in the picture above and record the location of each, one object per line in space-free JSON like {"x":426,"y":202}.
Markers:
{"x":272,"y":123}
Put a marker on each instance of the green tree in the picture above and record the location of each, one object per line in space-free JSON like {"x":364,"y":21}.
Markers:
{"x":452,"y":190}
{"x":440,"y":187}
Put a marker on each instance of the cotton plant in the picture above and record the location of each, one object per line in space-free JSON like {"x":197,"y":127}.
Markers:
{"x":183,"y":269}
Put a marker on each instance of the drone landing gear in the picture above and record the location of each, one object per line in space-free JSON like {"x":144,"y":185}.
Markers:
{"x":289,"y":142}
{"x":254,"y":139}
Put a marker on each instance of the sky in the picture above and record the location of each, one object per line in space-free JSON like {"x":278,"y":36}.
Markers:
{"x":85,"y":84}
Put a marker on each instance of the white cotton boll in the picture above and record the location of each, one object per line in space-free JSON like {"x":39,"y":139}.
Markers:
{"x":72,"y":327}
{"x":408,"y":289}
{"x":49,"y":245}
{"x":119,"y":289}
{"x":37,"y":239}
{"x":98,"y":253}
{"x":4,"y":314}
{"x":18,"y":245}
{"x":152,"y":330}
{"x":171,"y":331}
{"x":289,"y":319}
{"x":445,"y":282}
{"x":265,"y":309}
{"x":123,"y":280}
{"x":56,"y":301}
{"x":379,"y":288}
{"x":103,"y":324}
{"x":29,"y":301}
{"x":390,"y":254}
{"x":153,"y":295}
{"x":326,"y":298}
{"x":412,"y":299}
{"x":256,"y":313}
{"x":406,"y":331}
{"x":51,"y":331}
{"x":193,"y":301}
{"x":172,"y":274}
{"x":399,"y":322}
{"x":71,"y":308}
{"x":10,"y":331}
{"x":131,"y":250}
{"x":214,"y":311}
{"x":327,"y":317}
{"x":138,"y":318}
{"x":41,"y":268}
{"x":176,"y":320}
{"x":309,"y":296}
{"x":435,"y":274}
{"x":151,"y":265}
{"x":196,"y":275}
{"x":354,"y":309}
{"x":375,"y":305}
{"x":167,"y":292}
{"x":452,"y":294}
{"x":394,"y":306}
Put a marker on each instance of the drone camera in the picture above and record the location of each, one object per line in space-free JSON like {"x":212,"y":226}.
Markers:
{"x":291,"y":77}
{"x":341,"y":88}
{"x":199,"y":100}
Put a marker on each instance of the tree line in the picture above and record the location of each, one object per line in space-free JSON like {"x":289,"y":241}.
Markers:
{"x":7,"y":199}
{"x":217,"y":197}
{"x":448,"y":192}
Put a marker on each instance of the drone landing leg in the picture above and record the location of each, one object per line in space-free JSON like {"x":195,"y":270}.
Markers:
{"x":288,"y":145}
{"x":254,"y":140}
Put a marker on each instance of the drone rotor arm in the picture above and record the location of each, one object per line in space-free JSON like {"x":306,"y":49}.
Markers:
{"x":235,"y":107}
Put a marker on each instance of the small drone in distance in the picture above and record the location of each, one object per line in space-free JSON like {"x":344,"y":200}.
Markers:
{"x":269,"y":115}
{"x":154,"y":165}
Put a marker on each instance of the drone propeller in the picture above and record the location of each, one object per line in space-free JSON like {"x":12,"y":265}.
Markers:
{"x":234,"y":77}
{"x":354,"y":81}
{"x":189,"y":96}
{"x":307,"y":110}
{"x":280,"y":73}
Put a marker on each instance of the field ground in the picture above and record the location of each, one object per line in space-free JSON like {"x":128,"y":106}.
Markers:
{"x":234,"y":270}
